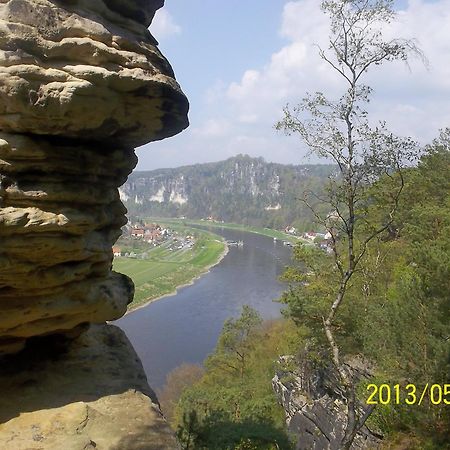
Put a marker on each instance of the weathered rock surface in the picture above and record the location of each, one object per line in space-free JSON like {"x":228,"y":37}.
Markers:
{"x":83,"y":69}
{"x":315,"y":408}
{"x":60,"y":216}
{"x":81,"y":83}
{"x":92,"y":395}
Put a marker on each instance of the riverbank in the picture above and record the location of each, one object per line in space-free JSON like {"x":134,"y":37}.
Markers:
{"x":185,"y":327}
{"x":164,"y":271}
{"x":280,"y":235}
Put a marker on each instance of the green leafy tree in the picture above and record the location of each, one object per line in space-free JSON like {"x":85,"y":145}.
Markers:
{"x":406,"y":327}
{"x":235,"y":342}
{"x":339,"y":130}
{"x":233,"y":405}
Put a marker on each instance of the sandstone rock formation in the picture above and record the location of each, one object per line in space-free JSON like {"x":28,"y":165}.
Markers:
{"x":105,"y":403}
{"x":314,"y":405}
{"x":82,"y":69}
{"x":81,"y":83}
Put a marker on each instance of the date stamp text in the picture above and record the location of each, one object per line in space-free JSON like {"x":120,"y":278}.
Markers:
{"x":410,"y":394}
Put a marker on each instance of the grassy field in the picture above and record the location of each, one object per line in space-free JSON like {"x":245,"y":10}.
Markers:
{"x":232,"y":226}
{"x":163,"y":269}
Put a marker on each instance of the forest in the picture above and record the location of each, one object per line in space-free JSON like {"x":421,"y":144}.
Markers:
{"x":396,"y":317}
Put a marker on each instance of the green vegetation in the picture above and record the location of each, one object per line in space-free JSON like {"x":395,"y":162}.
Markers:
{"x":396,"y":316}
{"x":397,"y":309}
{"x":339,"y":130}
{"x":231,"y":226}
{"x":232,"y":405}
{"x":381,"y":291}
{"x":161,"y":270}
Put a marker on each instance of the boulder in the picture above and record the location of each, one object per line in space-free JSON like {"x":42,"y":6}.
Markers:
{"x":90,"y":394}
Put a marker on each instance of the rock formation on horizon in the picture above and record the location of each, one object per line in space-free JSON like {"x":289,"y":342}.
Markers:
{"x":82,"y":82}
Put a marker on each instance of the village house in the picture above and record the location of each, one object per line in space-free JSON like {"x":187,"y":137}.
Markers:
{"x":116,"y":251}
{"x":152,"y":235}
{"x":325,"y":242}
{"x":152,"y":232}
{"x":290,"y":230}
{"x":137,"y":233}
{"x":310,"y":235}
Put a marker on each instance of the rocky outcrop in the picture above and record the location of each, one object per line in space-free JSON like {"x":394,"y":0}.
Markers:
{"x":91,"y":395}
{"x":86,"y":69}
{"x":60,"y":216}
{"x":81,"y":83}
{"x":314,"y":404}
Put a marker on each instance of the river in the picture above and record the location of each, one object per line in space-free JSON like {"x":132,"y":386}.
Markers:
{"x":185,"y":327}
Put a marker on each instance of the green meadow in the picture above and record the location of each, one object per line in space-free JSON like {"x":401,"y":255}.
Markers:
{"x":166,"y":267}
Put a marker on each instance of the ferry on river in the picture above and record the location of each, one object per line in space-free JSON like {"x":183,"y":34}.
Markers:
{"x":236,"y":243}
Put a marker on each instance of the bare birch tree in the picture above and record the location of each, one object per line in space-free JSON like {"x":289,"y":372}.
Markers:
{"x":339,"y":130}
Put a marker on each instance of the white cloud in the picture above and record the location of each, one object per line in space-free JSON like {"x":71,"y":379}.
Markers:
{"x":212,"y":128}
{"x":215,"y":93}
{"x":303,"y":21}
{"x":413,"y":102}
{"x":248,"y":118}
{"x":164,"y":25}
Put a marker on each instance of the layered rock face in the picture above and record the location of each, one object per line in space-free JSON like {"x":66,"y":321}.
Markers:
{"x":81,"y":83}
{"x":86,"y":69}
{"x":315,"y":407}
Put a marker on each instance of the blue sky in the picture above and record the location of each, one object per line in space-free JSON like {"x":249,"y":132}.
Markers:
{"x":239,"y":62}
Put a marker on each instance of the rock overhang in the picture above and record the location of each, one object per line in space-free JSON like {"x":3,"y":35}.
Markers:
{"x":81,"y":69}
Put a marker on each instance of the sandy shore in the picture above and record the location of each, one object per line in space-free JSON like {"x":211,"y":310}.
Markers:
{"x":132,"y":308}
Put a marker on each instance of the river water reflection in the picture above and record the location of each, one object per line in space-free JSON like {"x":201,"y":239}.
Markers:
{"x":185,"y":327}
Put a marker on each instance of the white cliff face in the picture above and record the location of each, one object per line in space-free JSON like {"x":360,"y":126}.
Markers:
{"x":243,"y":178}
{"x":254,"y":189}
{"x":159,"y":196}
{"x":274,"y":184}
{"x":233,"y":189}
{"x":155,"y":190}
{"x":273,"y":208}
{"x":178,"y":191}
{"x":123,"y":195}
{"x":177,"y":197}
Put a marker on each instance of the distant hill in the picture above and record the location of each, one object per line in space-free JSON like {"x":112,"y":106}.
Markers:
{"x":241,"y":189}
